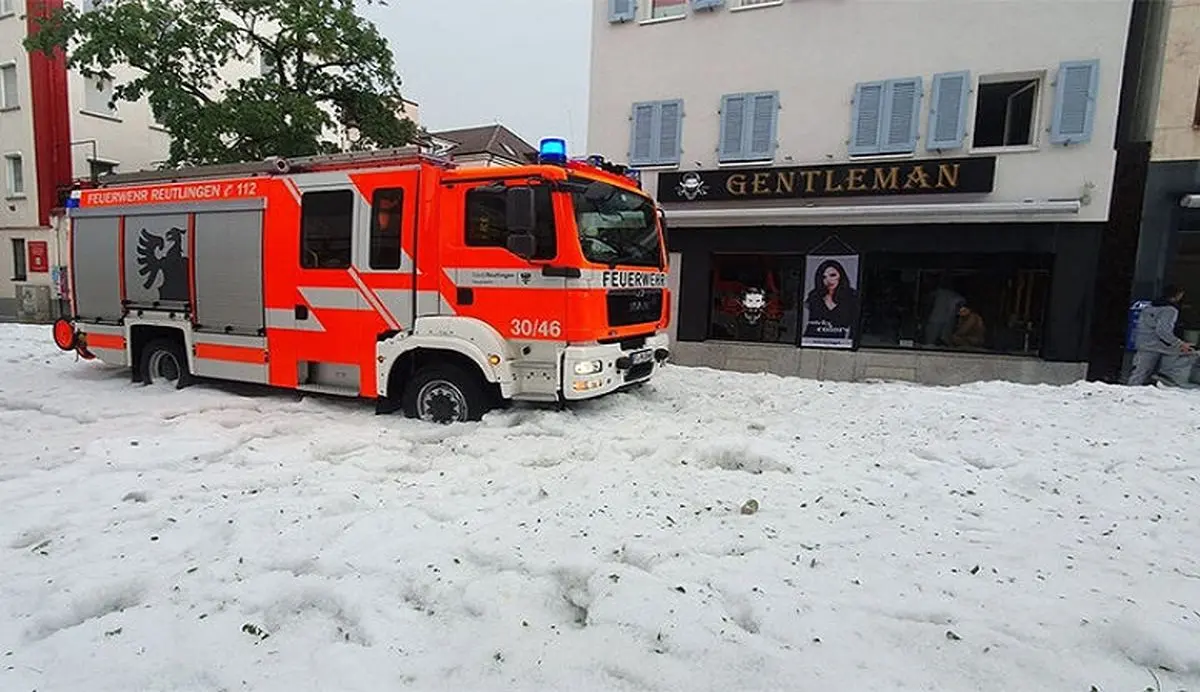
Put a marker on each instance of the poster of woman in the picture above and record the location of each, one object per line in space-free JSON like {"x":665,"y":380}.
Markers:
{"x":831,"y":301}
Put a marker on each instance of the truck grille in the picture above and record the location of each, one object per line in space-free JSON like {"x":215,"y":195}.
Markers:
{"x":635,"y":306}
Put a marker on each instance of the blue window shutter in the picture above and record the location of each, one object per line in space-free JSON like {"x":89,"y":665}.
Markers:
{"x":622,"y":10}
{"x":706,"y":4}
{"x":670,"y":132}
{"x":642,"y":139}
{"x":733,"y":128}
{"x":764,"y":118}
{"x":901,"y":116}
{"x":948,"y":110}
{"x":1075,"y":101}
{"x":865,"y":118}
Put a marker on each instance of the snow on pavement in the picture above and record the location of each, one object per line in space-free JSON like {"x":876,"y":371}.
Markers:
{"x":985,"y":537}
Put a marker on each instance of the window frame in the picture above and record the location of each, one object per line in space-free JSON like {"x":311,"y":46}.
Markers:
{"x":20,"y":268}
{"x":1036,"y":123}
{"x":1009,"y":264}
{"x":656,"y":160}
{"x":15,"y":104}
{"x":89,"y":88}
{"x":350,"y":203}
{"x":887,"y":91}
{"x":374,"y":229}
{"x":14,"y":161}
{"x":8,"y":8}
{"x":650,"y":7}
{"x":747,"y":134}
{"x":542,"y":194}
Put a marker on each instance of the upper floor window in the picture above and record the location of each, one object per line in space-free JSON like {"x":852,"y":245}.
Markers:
{"x":1076,"y":88}
{"x":657,"y":132}
{"x":98,"y":97}
{"x":1006,"y":111}
{"x":748,"y":127}
{"x":622,"y":10}
{"x":9,"y":97}
{"x":660,"y":9}
{"x":487,"y":220}
{"x":7,"y":7}
{"x":14,"y":175}
{"x":884,"y":117}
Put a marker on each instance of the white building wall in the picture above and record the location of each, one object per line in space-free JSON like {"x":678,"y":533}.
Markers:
{"x":16,"y":136}
{"x":814,"y":51}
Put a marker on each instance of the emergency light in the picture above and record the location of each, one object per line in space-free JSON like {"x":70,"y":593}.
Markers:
{"x":553,"y":150}
{"x":73,"y":199}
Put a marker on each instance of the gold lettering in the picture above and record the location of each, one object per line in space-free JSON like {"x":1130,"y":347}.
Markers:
{"x":829,"y":181}
{"x":809,"y":176}
{"x":887,"y":181}
{"x":736,"y":184}
{"x":785,"y":180}
{"x":917,"y":178}
{"x":760,"y":183}
{"x":948,"y":175}
{"x":855,"y":180}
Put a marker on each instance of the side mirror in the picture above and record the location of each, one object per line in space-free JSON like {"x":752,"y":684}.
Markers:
{"x":523,"y":245}
{"x":521,"y":216}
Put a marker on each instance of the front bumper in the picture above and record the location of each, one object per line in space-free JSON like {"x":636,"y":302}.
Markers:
{"x":593,"y":371}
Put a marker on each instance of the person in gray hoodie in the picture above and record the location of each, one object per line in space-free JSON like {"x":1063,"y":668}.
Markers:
{"x":1159,"y":348}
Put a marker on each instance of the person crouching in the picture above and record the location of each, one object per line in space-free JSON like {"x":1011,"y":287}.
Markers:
{"x":1159,"y":350}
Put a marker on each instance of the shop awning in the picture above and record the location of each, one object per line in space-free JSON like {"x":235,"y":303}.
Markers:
{"x":836,"y":214}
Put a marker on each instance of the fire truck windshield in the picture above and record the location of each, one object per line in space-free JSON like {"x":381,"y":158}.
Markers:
{"x":616,"y":226}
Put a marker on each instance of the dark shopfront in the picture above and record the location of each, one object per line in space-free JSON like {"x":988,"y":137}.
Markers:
{"x":1169,"y":245}
{"x":749,"y":285}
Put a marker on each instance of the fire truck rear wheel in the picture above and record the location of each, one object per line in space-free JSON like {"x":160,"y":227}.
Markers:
{"x":445,"y":394}
{"x":164,"y":362}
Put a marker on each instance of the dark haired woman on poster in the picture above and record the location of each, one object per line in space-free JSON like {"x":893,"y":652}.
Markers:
{"x":832,"y":304}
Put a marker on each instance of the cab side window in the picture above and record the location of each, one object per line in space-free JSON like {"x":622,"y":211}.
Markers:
{"x":326,"y":226}
{"x":487,"y":215}
{"x":387,"y":207}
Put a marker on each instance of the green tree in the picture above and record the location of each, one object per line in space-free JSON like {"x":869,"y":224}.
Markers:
{"x":328,"y":68}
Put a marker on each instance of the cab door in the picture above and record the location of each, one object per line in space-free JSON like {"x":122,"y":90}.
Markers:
{"x":525,"y":300}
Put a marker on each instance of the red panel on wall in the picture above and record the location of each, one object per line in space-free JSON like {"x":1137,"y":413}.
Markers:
{"x":51,"y":115}
{"x":39,"y":257}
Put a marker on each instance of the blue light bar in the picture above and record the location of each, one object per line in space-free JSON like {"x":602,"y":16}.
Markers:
{"x":553,"y":150}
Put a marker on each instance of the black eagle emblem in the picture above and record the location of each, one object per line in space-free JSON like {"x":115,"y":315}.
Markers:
{"x":162,"y":257}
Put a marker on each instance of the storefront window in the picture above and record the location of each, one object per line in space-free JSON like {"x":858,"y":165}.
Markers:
{"x":916,"y":301}
{"x":756,"y":298}
{"x":1185,"y":273}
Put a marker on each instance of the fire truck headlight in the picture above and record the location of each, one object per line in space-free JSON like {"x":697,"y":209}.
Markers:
{"x":590,"y":367}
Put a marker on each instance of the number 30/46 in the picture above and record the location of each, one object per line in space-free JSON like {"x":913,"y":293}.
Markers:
{"x":544,"y":328}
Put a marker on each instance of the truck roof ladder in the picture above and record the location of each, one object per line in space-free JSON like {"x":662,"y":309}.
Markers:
{"x":278,"y":165}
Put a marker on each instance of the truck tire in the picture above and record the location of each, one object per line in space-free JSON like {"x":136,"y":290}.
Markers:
{"x":445,"y":394}
{"x":164,"y":362}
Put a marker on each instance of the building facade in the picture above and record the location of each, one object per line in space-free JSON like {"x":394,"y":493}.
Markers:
{"x":840,"y":177}
{"x":55,"y":126}
{"x":1169,"y":244}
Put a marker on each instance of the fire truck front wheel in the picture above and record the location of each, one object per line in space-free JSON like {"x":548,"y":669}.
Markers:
{"x":164,"y":362}
{"x":445,"y":394}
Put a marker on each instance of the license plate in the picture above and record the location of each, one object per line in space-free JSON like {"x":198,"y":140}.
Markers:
{"x":642,"y":357}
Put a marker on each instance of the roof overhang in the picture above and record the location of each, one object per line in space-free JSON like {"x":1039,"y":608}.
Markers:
{"x":831,"y":214}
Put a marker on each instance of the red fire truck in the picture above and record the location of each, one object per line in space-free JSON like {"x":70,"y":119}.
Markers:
{"x":392,"y":275}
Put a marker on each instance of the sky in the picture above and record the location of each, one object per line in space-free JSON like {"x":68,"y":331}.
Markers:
{"x":523,"y":63}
